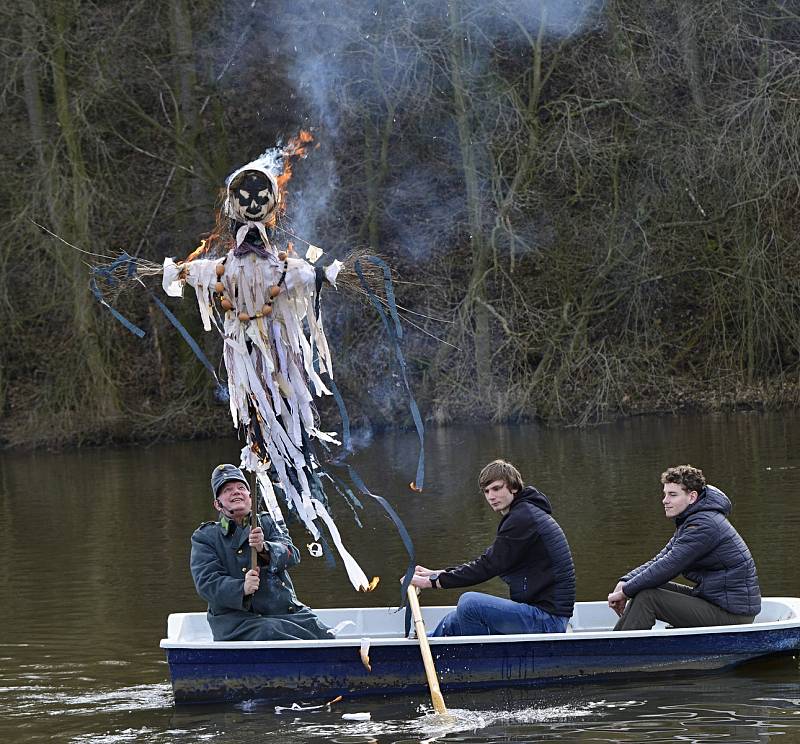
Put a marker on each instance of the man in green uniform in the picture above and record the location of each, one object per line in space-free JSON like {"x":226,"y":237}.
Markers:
{"x":246,"y":604}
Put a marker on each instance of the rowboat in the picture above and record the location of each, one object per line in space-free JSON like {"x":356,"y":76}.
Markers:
{"x":370,"y":654}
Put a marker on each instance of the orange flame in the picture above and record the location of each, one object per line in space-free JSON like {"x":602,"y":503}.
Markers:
{"x":371,"y":586}
{"x":297,"y":147}
{"x":208,"y":243}
{"x":199,"y":251}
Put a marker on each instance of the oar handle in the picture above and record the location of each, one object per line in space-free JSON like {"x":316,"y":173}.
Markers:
{"x":425,"y":650}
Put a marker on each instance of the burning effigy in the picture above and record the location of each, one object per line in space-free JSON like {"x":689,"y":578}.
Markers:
{"x":264,"y":299}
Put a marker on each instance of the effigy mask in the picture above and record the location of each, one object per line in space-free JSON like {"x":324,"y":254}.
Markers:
{"x":252,"y":197}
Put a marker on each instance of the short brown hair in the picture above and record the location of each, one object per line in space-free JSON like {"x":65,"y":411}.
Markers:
{"x":692,"y":479}
{"x":501,"y":470}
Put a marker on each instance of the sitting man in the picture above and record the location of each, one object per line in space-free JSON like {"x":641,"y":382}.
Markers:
{"x":706,"y":549}
{"x":530,"y":553}
{"x":247,"y":604}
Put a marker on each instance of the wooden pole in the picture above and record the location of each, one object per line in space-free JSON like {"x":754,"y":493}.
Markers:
{"x":425,"y":650}
{"x":253,"y":525}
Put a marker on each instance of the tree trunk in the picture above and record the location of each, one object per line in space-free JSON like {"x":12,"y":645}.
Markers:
{"x":691,"y":54}
{"x":30,"y":76}
{"x":189,"y":188}
{"x":100,"y":395}
{"x":474,"y":304}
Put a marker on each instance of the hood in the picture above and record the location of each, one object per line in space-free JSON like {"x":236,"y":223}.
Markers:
{"x":711,"y":499}
{"x":533,"y":496}
{"x":266,"y":164}
{"x":269,"y":165}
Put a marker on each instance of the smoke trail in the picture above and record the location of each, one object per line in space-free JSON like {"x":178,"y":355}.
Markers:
{"x":359,"y":69}
{"x":375,"y":81}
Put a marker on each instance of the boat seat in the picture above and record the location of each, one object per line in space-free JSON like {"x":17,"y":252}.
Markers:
{"x":772,"y":611}
{"x":189,"y":627}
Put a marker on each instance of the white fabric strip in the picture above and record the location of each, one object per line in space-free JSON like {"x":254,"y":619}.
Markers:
{"x":357,"y":577}
{"x":270,"y":367}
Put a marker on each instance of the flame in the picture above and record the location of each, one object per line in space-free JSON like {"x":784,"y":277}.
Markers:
{"x":371,"y":586}
{"x":297,"y":147}
{"x":207,"y":243}
{"x":199,"y":251}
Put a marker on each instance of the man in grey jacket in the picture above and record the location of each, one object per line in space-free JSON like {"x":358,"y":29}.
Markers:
{"x":244,"y":603}
{"x":706,"y":549}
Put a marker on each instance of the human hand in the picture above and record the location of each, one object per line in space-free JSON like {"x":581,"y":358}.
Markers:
{"x":256,"y":539}
{"x":422,"y":571}
{"x":251,"y":582}
{"x":617,"y":599}
{"x":421,"y":581}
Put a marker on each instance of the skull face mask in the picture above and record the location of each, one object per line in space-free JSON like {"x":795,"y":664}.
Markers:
{"x":252,"y":198}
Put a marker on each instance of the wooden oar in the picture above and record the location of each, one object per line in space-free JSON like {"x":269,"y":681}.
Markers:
{"x":425,"y":650}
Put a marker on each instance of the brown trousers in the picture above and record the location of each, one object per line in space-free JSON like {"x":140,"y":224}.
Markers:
{"x":673,"y":604}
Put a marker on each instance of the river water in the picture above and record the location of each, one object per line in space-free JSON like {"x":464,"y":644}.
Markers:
{"x":95,"y":549}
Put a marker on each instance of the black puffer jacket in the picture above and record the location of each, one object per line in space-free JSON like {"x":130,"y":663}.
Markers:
{"x":707,"y":550}
{"x":530,"y":553}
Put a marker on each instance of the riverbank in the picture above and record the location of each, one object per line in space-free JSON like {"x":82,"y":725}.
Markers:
{"x":204,"y":419}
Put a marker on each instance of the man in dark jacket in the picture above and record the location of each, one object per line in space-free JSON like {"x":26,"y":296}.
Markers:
{"x":530,"y":553}
{"x":706,"y":549}
{"x":246,"y":604}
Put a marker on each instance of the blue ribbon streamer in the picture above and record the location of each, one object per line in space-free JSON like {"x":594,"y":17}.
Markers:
{"x":404,"y":536}
{"x":395,"y":332}
{"x":107,"y":274}
{"x":347,"y":439}
{"x":345,"y":492}
{"x":121,"y":318}
{"x":186,"y":336}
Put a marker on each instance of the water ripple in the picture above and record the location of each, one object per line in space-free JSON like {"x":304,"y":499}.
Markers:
{"x":37,"y":700}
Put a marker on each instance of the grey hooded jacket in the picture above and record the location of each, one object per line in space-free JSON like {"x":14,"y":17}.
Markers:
{"x":708,"y":551}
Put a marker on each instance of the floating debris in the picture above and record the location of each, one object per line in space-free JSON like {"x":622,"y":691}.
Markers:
{"x":357,"y":716}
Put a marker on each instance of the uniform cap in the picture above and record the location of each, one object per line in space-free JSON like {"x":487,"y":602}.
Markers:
{"x":224,"y":473}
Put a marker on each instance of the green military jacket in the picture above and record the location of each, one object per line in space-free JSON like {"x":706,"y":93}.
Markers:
{"x":220,"y":559}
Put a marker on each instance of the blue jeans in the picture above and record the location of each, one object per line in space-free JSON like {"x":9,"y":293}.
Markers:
{"x":483,"y":614}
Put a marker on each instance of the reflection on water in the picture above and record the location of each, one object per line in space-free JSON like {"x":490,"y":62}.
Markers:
{"x":95,"y":550}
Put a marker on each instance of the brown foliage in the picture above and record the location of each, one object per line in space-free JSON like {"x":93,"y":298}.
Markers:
{"x":586,"y":222}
